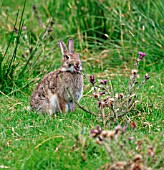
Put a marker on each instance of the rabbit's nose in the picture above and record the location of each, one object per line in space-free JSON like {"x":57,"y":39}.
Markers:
{"x":76,"y":64}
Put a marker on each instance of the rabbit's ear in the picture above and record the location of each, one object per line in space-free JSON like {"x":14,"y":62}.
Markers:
{"x":63,"y":47}
{"x":71,"y":45}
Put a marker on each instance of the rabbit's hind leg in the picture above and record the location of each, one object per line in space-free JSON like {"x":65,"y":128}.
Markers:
{"x":71,"y":106}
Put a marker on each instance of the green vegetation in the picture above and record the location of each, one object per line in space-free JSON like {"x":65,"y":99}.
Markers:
{"x":108,"y":36}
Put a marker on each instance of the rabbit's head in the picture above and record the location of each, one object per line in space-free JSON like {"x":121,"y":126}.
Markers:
{"x":71,"y":60}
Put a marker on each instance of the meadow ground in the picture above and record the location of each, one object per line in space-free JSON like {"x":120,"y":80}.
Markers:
{"x":108,"y":40}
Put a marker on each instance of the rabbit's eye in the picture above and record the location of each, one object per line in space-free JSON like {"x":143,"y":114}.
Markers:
{"x":67,"y":57}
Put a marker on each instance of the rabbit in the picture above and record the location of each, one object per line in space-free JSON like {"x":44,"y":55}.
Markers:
{"x":55,"y":92}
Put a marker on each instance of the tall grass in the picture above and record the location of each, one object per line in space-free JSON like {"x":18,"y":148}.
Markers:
{"x":22,"y":55}
{"x":113,"y":25}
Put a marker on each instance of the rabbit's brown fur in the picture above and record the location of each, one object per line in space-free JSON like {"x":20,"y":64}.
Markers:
{"x":51,"y":94}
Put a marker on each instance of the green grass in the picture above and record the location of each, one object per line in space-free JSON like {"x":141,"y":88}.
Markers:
{"x":30,"y":141}
{"x":108,"y":40}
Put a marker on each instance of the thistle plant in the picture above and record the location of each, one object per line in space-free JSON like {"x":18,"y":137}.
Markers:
{"x":124,"y":152}
{"x":111,"y":103}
